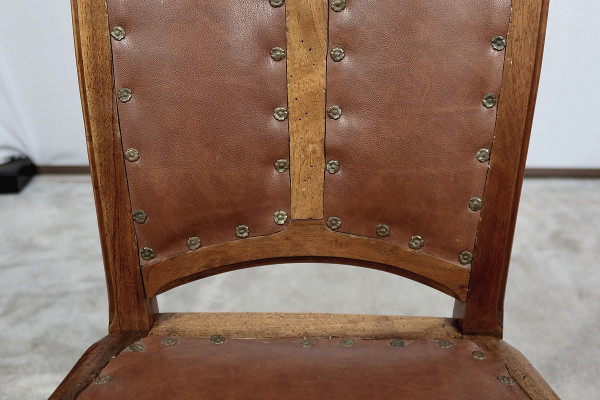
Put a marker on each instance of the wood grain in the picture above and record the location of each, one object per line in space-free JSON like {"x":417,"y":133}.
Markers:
{"x":91,"y":363}
{"x":483,"y":312}
{"x":129,"y":310}
{"x":306,"y":66}
{"x":304,"y":241}
{"x":272,"y":325}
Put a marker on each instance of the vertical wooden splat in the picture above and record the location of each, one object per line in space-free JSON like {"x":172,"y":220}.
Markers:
{"x":306,"y":68}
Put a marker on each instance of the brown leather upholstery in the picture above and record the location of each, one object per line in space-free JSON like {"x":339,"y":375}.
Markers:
{"x":204,"y":89}
{"x":194,"y":368}
{"x":410,"y":88}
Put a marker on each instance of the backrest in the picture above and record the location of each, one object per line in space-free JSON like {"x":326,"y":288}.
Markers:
{"x":390,"y":134}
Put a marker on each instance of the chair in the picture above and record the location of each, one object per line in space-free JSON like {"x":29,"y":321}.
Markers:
{"x":387,"y":134}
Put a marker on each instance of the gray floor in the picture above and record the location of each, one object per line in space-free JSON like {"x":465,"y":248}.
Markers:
{"x":53,"y":298}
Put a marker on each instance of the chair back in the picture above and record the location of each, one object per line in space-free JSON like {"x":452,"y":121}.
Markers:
{"x":389,"y":134}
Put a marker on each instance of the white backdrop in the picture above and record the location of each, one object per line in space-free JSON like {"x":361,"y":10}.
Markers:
{"x":40,"y":113}
{"x":566,"y":132}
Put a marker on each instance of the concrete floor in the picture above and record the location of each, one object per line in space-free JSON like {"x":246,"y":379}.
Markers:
{"x":53,"y":299}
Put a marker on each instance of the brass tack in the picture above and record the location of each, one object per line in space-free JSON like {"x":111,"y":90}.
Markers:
{"x":416,"y":242}
{"x":507,"y":380}
{"x":475,"y":204}
{"x":334,"y":112}
{"x":282,"y":165}
{"x":280,"y":217}
{"x":170,"y":341}
{"x":338,"y":5}
{"x":334,"y":223}
{"x":139,"y":216}
{"x":489,"y":100}
{"x":333,"y":166}
{"x":136,"y":347}
{"x":102,"y":379}
{"x":382,"y":230}
{"x":276,"y":3}
{"x":306,"y":343}
{"x":499,"y":43}
{"x":478,"y":355}
{"x":124,"y":94}
{"x":465,"y":257}
{"x":347,"y":342}
{"x":217,"y":339}
{"x":194,"y":243}
{"x":242,"y":231}
{"x":118,"y":33}
{"x":337,"y":54}
{"x":280,"y":113}
{"x":277,"y":53}
{"x":482,"y":155}
{"x":397,"y":343}
{"x":148,"y":253}
{"x":132,"y":154}
{"x":444,"y":344}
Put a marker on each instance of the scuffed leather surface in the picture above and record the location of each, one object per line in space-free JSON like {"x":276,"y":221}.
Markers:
{"x":281,"y":369}
{"x":410,"y":88}
{"x":204,"y":90}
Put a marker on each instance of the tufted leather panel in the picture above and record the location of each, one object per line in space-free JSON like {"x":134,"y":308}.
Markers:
{"x":410,"y":88}
{"x":194,"y":368}
{"x":204,"y":88}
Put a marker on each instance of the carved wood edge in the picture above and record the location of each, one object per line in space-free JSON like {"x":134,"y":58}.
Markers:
{"x":92,"y":362}
{"x":304,"y":241}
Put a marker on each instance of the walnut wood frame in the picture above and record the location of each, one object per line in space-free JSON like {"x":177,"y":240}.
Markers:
{"x":479,"y":293}
{"x":483,"y":311}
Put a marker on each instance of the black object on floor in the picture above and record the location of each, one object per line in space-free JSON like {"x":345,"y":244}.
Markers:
{"x":15,"y":174}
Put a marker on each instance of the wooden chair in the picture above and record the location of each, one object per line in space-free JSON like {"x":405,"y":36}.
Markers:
{"x":387,"y":134}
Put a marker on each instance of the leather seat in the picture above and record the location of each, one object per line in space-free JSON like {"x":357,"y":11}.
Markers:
{"x":302,"y":356}
{"x":164,"y":367}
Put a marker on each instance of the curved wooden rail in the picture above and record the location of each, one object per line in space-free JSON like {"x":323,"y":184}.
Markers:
{"x":303,"y":241}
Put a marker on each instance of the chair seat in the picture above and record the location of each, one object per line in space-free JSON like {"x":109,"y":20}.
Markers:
{"x":176,"y":367}
{"x":179,"y":359}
